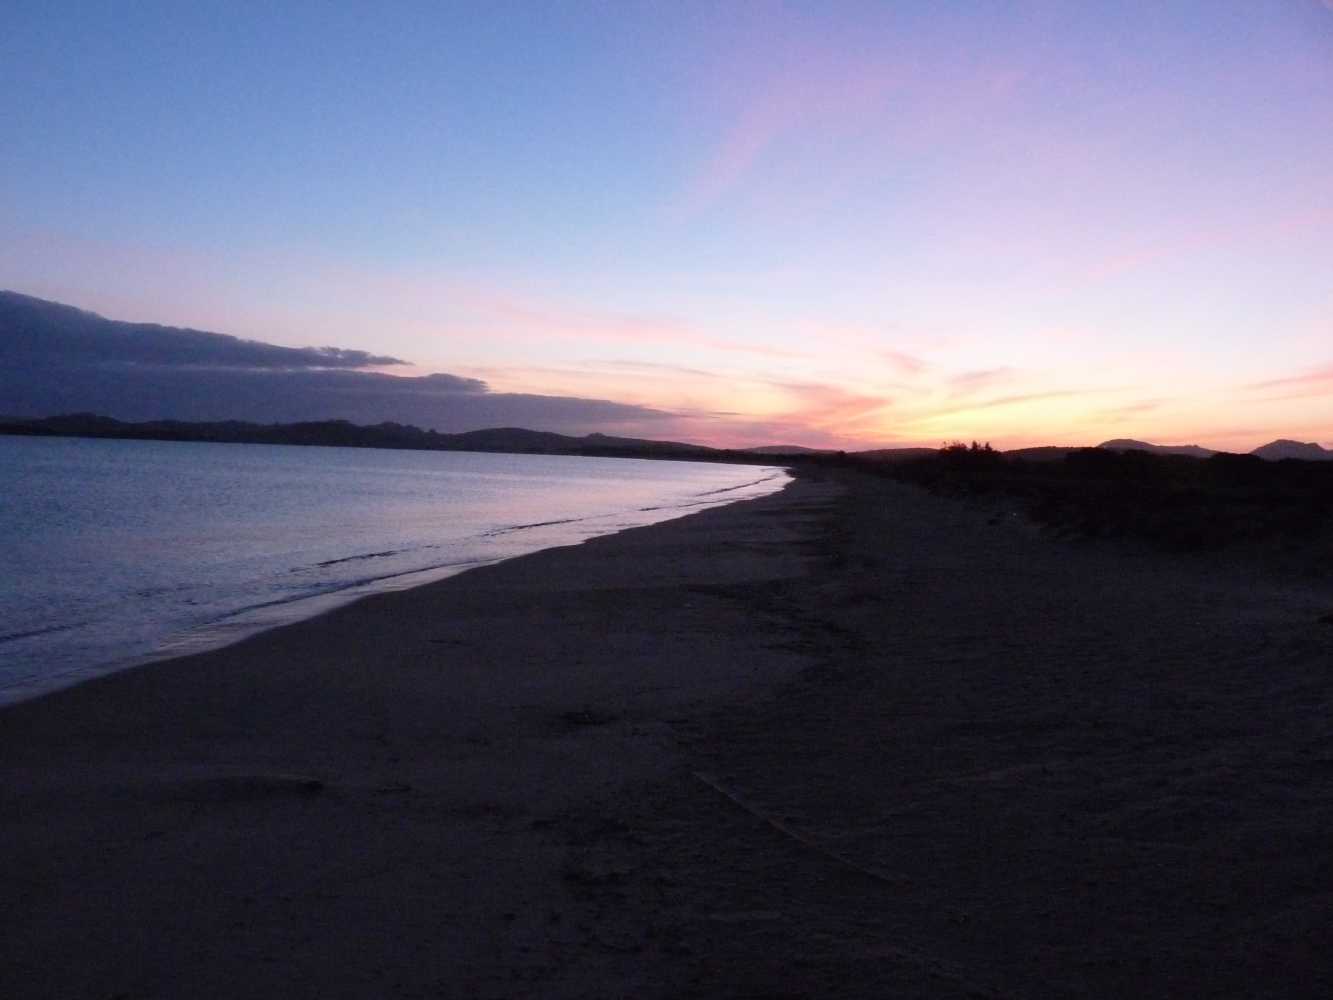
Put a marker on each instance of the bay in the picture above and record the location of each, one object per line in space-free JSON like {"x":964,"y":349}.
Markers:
{"x":118,"y":552}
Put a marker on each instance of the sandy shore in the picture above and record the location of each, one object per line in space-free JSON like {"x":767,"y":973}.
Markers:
{"x":849,"y":740}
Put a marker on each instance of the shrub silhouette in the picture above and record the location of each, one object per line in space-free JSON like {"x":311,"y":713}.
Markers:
{"x":1175,"y":502}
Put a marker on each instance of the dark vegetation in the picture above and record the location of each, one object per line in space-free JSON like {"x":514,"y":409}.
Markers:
{"x":1174,"y":502}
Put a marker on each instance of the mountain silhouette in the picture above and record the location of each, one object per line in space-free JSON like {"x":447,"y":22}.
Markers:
{"x":1274,"y":451}
{"x":1129,"y":444}
{"x":1286,"y":448}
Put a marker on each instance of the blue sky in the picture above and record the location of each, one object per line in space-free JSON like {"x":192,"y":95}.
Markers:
{"x":852,"y":224}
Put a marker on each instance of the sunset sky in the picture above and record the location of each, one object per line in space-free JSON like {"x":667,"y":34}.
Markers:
{"x":830,"y":224}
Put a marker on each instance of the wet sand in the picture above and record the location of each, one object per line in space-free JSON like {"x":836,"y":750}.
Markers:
{"x":848,"y":740}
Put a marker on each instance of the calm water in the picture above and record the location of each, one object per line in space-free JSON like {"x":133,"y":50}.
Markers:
{"x":114,"y":552}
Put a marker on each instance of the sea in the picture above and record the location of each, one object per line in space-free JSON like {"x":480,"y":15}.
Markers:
{"x":114,"y":553}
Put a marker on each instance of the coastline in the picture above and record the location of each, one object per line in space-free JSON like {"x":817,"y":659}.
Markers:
{"x":277,"y":796}
{"x":214,"y":574}
{"x":844,"y":740}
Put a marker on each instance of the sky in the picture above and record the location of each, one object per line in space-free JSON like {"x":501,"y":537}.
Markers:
{"x":847,"y":225}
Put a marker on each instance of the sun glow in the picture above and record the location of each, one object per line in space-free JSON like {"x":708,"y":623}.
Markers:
{"x":839,"y":227}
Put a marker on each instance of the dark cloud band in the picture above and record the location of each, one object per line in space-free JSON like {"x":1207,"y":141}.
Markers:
{"x":56,"y":359}
{"x":45,"y":333}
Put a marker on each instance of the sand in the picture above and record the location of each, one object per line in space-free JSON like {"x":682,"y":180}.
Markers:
{"x":848,"y":740}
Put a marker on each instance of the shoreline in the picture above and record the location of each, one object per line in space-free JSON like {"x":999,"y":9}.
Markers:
{"x":845,"y":740}
{"x":349,"y":600}
{"x":276,"y":797}
{"x":87,"y":649}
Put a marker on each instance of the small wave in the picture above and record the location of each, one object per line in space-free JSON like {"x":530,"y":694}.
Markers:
{"x":30,"y":633}
{"x":536,"y":524}
{"x":741,"y":486}
{"x":711,"y":498}
{"x":688,"y":506}
{"x":343,"y":585}
{"x":368,"y":555}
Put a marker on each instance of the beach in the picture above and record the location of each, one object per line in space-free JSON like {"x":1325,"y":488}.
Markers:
{"x":847,"y":740}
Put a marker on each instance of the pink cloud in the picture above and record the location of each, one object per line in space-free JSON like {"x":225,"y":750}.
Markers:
{"x":1204,"y":238}
{"x":1320,"y":376}
{"x":1143,"y":256}
{"x":824,"y":406}
{"x":909,"y":364}
{"x":708,"y":407}
{"x":1118,"y":413}
{"x":966,"y":383}
{"x":522,"y":316}
{"x":743,"y":145}
{"x":1032,"y":397}
{"x":811,"y":414}
{"x":794,"y":81}
{"x":655,"y":368}
{"x":750,"y":432}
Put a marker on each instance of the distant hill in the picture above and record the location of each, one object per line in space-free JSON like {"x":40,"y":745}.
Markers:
{"x":1285,"y":448}
{"x":788,"y":449}
{"x":506,"y":439}
{"x":1274,"y":451}
{"x":389,"y":434}
{"x":643,"y":444}
{"x":1129,"y":444}
{"x":344,"y":434}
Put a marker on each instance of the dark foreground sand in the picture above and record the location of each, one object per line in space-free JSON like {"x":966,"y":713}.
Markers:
{"x":846,"y":741}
